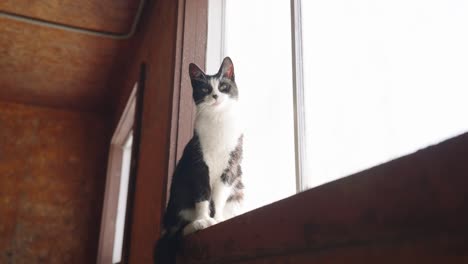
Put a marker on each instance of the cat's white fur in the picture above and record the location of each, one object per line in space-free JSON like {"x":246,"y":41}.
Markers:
{"x":219,"y":128}
{"x":199,"y":217}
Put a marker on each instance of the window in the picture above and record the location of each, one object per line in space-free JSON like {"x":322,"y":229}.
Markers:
{"x":353,"y":84}
{"x":381,"y":79}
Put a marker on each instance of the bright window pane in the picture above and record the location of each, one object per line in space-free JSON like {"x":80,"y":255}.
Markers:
{"x":382,"y":79}
{"x":257,"y":38}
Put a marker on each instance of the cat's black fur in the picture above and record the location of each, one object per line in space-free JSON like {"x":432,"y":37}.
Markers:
{"x":191,"y":180}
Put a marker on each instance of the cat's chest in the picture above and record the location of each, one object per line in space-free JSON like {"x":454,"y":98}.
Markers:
{"x":217,"y":141}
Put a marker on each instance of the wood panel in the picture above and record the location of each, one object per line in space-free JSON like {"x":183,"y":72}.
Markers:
{"x":410,"y":210}
{"x":52,"y":173}
{"x":103,"y":15}
{"x":194,"y":51}
{"x":428,"y":250}
{"x":55,"y":68}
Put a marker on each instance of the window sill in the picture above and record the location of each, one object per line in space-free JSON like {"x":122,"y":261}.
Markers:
{"x":415,"y":207}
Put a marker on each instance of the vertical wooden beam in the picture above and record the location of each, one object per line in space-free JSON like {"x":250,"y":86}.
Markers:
{"x":190,"y":47}
{"x":194,"y":50}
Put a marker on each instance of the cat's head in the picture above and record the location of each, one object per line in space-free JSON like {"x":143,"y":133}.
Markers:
{"x":214,"y":92}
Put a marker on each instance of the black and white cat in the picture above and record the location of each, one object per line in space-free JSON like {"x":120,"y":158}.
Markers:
{"x":206,"y":187}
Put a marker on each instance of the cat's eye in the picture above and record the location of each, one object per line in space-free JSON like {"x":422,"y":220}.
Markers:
{"x":205,"y":90}
{"x":224,"y":88}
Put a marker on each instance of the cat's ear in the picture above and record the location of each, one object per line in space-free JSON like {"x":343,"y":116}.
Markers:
{"x":195,"y":72}
{"x":227,"y":68}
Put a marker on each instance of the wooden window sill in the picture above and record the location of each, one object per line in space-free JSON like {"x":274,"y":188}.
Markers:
{"x":410,"y":210}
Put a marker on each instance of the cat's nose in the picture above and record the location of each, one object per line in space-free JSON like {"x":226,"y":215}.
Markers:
{"x":215,"y":96}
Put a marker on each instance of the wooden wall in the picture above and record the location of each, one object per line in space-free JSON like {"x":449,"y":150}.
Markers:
{"x":52,"y":173}
{"x":56,"y":68}
{"x":104,"y":15}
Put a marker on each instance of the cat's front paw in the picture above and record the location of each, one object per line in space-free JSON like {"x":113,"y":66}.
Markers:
{"x":199,"y":225}
{"x":219,"y":218}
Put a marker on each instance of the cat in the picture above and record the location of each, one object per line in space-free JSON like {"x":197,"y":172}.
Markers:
{"x":207,"y":183}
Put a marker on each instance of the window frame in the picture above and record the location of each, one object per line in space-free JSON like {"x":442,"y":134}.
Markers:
{"x":217,"y":12}
{"x":192,"y":28}
{"x":298,"y":95}
{"x":113,"y":178}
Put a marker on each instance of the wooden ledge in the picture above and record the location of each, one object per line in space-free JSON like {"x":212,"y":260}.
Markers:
{"x":410,"y":210}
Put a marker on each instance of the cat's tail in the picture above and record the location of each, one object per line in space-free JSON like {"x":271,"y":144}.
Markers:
{"x":166,"y":248}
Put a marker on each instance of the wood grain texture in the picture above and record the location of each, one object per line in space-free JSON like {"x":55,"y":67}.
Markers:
{"x":194,"y":51}
{"x":52,"y":173}
{"x":410,"y":210}
{"x":434,"y":250}
{"x":190,"y":48}
{"x":55,"y":68}
{"x":104,"y":15}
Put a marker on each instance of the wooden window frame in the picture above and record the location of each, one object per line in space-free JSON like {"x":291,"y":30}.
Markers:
{"x":410,"y":210}
{"x":111,"y":195}
{"x":191,"y":44}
